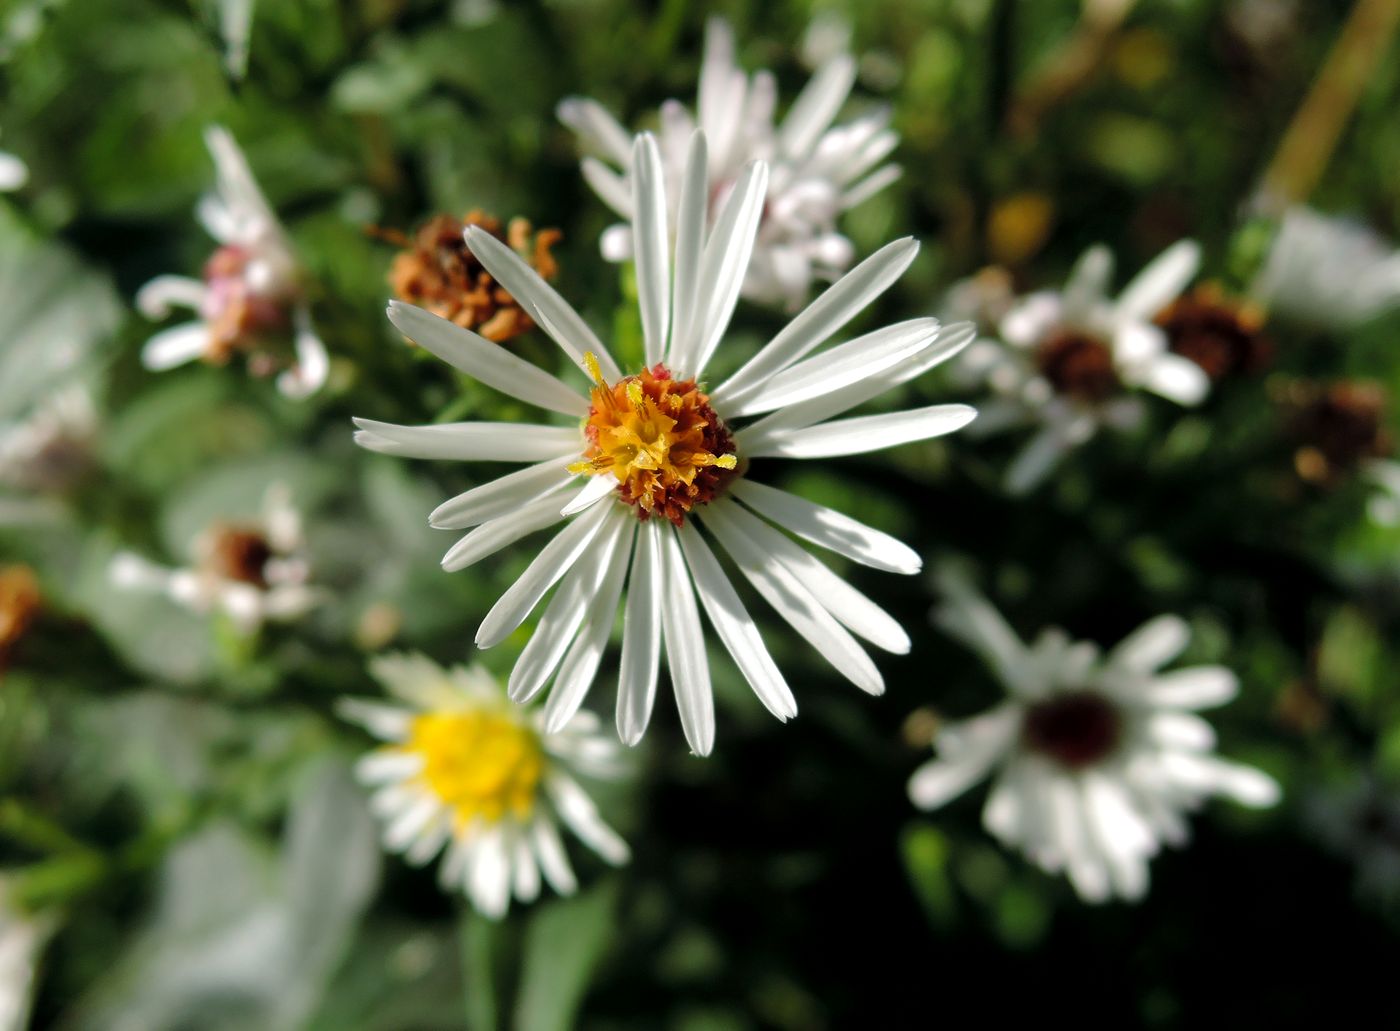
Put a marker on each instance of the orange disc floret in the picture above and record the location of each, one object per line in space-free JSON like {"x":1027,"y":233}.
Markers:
{"x":660,"y":439}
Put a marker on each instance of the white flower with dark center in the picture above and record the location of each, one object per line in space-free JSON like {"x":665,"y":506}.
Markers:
{"x":817,"y":170}
{"x":251,"y":300}
{"x":658,"y":455}
{"x":253,"y":572}
{"x":1096,"y":758}
{"x":464,"y":769}
{"x":1071,"y":359}
{"x":1328,"y":273}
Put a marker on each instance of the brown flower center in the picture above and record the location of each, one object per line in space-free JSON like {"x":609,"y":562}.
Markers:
{"x":1076,"y":729}
{"x":1223,"y":337}
{"x":20,"y":602}
{"x":238,"y":318}
{"x":1079,"y":366}
{"x":660,"y":439}
{"x":438,"y":272}
{"x":1338,"y":427}
{"x":240,"y":554}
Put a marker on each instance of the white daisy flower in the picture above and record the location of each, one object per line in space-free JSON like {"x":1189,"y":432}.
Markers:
{"x":1096,"y":758}
{"x":252,"y":572}
{"x":652,"y":444}
{"x":53,"y":447}
{"x":1069,"y":359}
{"x":817,"y":170}
{"x":22,"y":940}
{"x":465,"y":769}
{"x":13,"y":174}
{"x":1327,"y":272}
{"x":251,"y":300}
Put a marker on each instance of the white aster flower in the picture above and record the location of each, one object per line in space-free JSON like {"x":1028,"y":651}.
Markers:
{"x":660,"y":455}
{"x":251,"y":300}
{"x":22,"y":939}
{"x":1328,"y":273}
{"x":465,"y":769}
{"x":252,"y":572}
{"x":1096,"y":759}
{"x":52,"y":448}
{"x":817,"y":170}
{"x":1070,"y":359}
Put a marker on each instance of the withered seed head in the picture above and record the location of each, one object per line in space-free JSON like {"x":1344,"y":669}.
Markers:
{"x":1079,"y":366}
{"x":438,"y":272}
{"x":238,"y":553}
{"x":1225,"y":337}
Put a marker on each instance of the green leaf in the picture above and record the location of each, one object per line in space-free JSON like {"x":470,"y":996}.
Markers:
{"x":563,"y":943}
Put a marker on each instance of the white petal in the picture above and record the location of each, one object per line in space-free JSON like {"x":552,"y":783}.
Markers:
{"x":313,"y":365}
{"x":793,"y":601}
{"x":540,"y":300}
{"x":525,"y":871}
{"x":721,"y":90}
{"x":499,"y":531}
{"x":722,"y":268}
{"x":685,"y":648}
{"x":1086,"y":290}
{"x":13,"y":172}
{"x":544,"y":572}
{"x":828,"y":528}
{"x":154,"y":300}
{"x":577,"y":810}
{"x":1174,"y":377}
{"x":581,"y":662}
{"x":388,"y":766}
{"x":598,"y":128}
{"x":554,"y":861}
{"x":488,"y":873}
{"x":387,"y":722}
{"x":610,"y":187}
{"x":641,"y":636}
{"x":852,"y":609}
{"x":816,"y":106}
{"x":969,"y":617}
{"x":1206,"y":774}
{"x":860,"y":434}
{"x":1160,"y":283}
{"x":501,"y":496}
{"x":836,"y":306}
{"x":651,"y":244}
{"x":984,"y":740}
{"x":872,"y":184}
{"x":562,"y":617}
{"x":470,"y":441}
{"x":839,"y":367}
{"x":1180,"y":730}
{"x":690,"y":241}
{"x":175,"y":346}
{"x":1200,"y":687}
{"x":731,"y":621}
{"x":485,"y":361}
{"x":1152,"y":645}
{"x":1036,"y":460}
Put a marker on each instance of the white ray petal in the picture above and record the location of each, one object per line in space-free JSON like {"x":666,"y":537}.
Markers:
{"x":577,"y":810}
{"x":501,"y":496}
{"x":872,"y":184}
{"x":499,"y":531}
{"x":731,"y":621}
{"x":594,"y":491}
{"x":792,"y":601}
{"x":685,"y":648}
{"x":817,"y":106}
{"x":599,"y":129}
{"x":1199,"y":687}
{"x":525,"y":872}
{"x":540,"y":300}
{"x":312,"y":367}
{"x":1152,"y":645}
{"x":839,"y":367}
{"x":860,"y":434}
{"x":1087,"y":286}
{"x":154,"y":300}
{"x":470,"y":441}
{"x":982,"y":742}
{"x":580,"y":664}
{"x":641,"y":636}
{"x":651,"y":244}
{"x":553,"y":561}
{"x":554,"y":861}
{"x":387,"y":722}
{"x":690,"y":241}
{"x":836,"y":306}
{"x":852,"y":609}
{"x":1160,"y":283}
{"x":610,"y":187}
{"x":488,"y":362}
{"x":175,"y":346}
{"x":488,"y":873}
{"x":828,"y":528}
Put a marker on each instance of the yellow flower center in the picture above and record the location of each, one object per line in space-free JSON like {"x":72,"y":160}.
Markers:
{"x":484,"y":765}
{"x":659,"y":438}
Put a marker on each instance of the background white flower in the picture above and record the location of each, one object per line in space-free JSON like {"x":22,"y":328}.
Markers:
{"x":52,"y":448}
{"x":1327,"y":272}
{"x":251,"y":299}
{"x":1095,"y":759}
{"x":1070,"y":359}
{"x":817,"y":170}
{"x":466,"y":770}
{"x":13,"y":172}
{"x":252,"y":572}
{"x":657,"y":450}
{"x":22,"y":939}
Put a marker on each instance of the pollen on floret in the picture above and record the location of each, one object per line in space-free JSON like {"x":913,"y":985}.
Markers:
{"x":482,"y":764}
{"x":659,"y":438}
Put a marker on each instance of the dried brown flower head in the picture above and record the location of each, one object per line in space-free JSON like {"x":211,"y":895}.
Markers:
{"x":238,"y":553}
{"x":1224,"y":336}
{"x":438,"y":272}
{"x":1337,"y":427}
